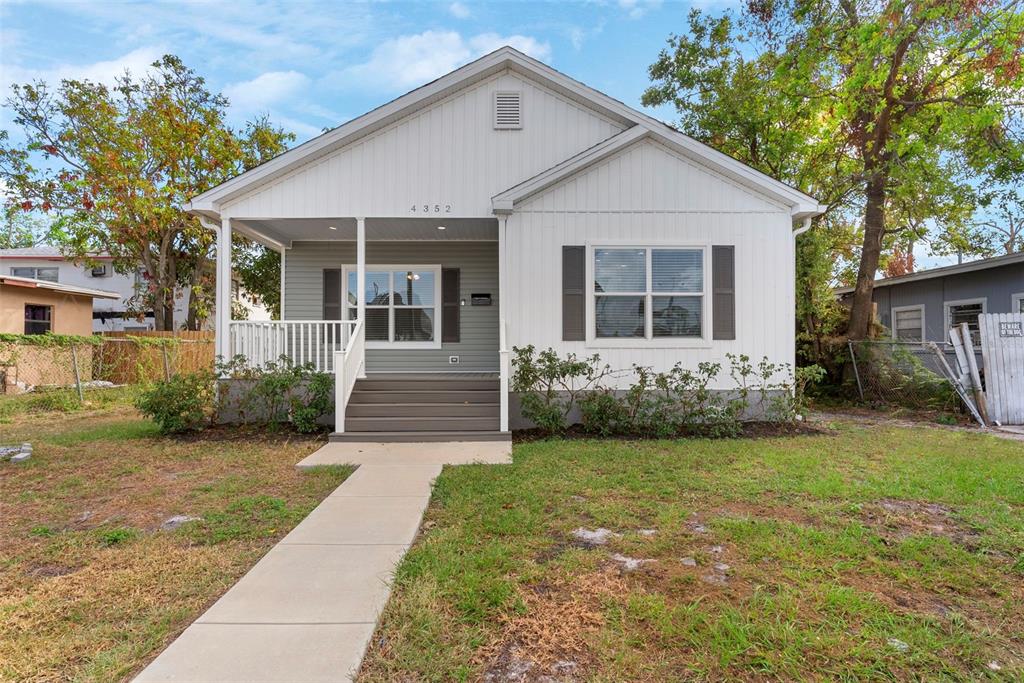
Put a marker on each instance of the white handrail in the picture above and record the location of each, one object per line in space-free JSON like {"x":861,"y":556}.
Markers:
{"x":349,"y":365}
{"x":505,"y":368}
{"x":303,"y":341}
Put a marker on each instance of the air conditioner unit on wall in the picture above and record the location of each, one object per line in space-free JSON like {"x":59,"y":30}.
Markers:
{"x":100,"y":271}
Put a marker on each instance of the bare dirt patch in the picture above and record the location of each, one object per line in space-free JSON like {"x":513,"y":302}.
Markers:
{"x":549,"y":640}
{"x":895,"y":520}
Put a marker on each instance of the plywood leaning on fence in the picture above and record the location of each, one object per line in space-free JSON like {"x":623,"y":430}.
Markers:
{"x":1002,"y":348}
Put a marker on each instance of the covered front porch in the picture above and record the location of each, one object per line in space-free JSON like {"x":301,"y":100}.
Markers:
{"x":413,"y":299}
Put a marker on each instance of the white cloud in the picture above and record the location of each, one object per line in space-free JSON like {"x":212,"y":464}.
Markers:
{"x":266,"y":89}
{"x":137,"y":62}
{"x":413,"y":60}
{"x":458,"y":10}
{"x":637,"y":8}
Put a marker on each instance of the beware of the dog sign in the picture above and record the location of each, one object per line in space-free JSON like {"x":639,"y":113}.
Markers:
{"x":1011,"y":329}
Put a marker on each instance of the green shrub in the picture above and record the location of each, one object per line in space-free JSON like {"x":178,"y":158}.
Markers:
{"x":281,"y":391}
{"x":549,"y":386}
{"x":655,"y":404}
{"x":181,"y":404}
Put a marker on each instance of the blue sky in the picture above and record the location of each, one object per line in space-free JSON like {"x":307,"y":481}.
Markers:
{"x":313,"y":65}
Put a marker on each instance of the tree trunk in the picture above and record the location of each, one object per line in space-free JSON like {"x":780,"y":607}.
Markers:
{"x":862,"y":310}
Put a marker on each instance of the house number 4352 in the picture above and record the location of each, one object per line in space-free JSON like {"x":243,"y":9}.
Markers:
{"x":431,"y":208}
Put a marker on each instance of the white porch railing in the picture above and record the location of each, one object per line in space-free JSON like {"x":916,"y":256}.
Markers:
{"x":505,"y":368}
{"x":303,"y":341}
{"x":350,"y":365}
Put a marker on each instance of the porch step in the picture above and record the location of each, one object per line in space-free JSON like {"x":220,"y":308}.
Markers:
{"x":406,"y":437}
{"x":427,"y":384}
{"x":421,"y":424}
{"x":362,"y":396}
{"x":423,"y":410}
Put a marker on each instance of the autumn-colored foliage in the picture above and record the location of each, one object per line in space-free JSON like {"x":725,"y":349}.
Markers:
{"x":113,"y":166}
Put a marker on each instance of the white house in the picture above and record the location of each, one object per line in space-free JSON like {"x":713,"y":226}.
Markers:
{"x":501,"y":205}
{"x":47,"y":263}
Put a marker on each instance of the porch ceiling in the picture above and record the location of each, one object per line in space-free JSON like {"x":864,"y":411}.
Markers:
{"x":287,"y":230}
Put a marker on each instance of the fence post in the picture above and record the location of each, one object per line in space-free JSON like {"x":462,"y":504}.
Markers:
{"x":78,"y":374}
{"x":167,"y":365}
{"x":856,"y":372}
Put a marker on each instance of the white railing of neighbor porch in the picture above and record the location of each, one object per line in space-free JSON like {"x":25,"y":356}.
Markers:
{"x":506,"y":366}
{"x":303,"y":341}
{"x":349,"y":365}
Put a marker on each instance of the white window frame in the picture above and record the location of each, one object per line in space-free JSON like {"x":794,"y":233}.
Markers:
{"x":35,"y":272}
{"x":648,"y":340}
{"x":391,"y":268}
{"x":902,"y":309}
{"x":947,"y":314}
{"x":1015,"y":302}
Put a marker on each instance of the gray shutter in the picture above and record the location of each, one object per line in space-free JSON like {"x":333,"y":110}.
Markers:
{"x":723,"y":292}
{"x":332,"y":294}
{"x":574,"y":305}
{"x":451,"y":307}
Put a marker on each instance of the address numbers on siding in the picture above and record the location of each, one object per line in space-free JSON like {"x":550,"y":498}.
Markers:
{"x":430,"y":208}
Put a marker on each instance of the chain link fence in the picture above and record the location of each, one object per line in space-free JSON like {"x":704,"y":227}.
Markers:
{"x":906,"y":374}
{"x":67,"y":368}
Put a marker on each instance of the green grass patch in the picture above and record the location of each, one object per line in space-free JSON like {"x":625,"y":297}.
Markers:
{"x":884,"y":553}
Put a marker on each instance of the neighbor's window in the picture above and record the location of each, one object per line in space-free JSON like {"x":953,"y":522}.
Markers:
{"x":48,"y":274}
{"x":401,"y":304}
{"x":908,"y":323}
{"x":648,"y":292}
{"x":38,"y":319}
{"x":966,"y":312}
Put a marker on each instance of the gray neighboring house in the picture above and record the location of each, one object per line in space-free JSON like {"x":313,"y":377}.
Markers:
{"x":922,"y":306}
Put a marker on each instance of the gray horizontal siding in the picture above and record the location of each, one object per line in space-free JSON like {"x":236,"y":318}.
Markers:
{"x":478,"y":265}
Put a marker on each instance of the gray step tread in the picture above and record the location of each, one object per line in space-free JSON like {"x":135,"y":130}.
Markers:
{"x":393,"y":437}
{"x":465,"y":409}
{"x":422,"y":424}
{"x":463,"y":396}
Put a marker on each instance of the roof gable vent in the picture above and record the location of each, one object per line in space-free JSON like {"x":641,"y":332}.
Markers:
{"x":508,"y":110}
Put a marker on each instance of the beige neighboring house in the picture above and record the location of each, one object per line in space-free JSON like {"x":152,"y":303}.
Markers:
{"x":29,"y":306}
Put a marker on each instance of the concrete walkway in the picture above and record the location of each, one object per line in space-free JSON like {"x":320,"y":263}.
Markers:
{"x":307,"y":610}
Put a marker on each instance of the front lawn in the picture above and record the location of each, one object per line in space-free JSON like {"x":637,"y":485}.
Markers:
{"x":865,"y":553}
{"x":92,"y":582}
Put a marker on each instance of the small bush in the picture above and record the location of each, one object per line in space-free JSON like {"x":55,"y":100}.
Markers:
{"x":181,"y":404}
{"x":281,"y":391}
{"x":655,"y":404}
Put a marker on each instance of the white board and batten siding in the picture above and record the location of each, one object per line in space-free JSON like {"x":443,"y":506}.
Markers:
{"x":648,"y":195}
{"x":447,"y":154}
{"x":1002,"y":348}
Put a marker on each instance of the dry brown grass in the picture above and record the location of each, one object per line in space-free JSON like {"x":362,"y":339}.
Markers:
{"x":90,"y":587}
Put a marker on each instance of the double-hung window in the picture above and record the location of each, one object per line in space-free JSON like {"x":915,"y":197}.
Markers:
{"x":402,"y":305}
{"x":966,"y":311}
{"x":908,"y":323}
{"x":654,"y":293}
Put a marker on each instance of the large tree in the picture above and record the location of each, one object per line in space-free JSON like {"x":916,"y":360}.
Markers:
{"x":892,"y":112}
{"x":115,"y":165}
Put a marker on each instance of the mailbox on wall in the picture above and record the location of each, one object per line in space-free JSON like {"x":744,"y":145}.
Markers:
{"x":478,"y":299}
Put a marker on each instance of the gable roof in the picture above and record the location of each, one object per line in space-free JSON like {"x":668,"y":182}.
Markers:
{"x":970,"y":266}
{"x":15,"y":281}
{"x":208,"y":203}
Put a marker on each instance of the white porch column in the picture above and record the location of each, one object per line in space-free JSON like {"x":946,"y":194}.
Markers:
{"x":223,"y":295}
{"x":360,"y":277}
{"x":503,"y":353}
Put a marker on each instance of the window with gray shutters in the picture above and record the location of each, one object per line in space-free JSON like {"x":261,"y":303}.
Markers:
{"x":648,"y":292}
